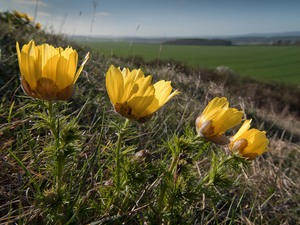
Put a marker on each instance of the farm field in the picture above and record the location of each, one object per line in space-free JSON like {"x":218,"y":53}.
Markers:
{"x":280,"y":63}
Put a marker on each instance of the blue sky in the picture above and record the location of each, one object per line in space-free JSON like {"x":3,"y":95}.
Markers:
{"x":162,"y":18}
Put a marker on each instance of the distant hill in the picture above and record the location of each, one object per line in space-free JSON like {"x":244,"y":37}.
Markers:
{"x":269,"y":40}
{"x":292,"y":37}
{"x":198,"y":41}
{"x":277,"y":34}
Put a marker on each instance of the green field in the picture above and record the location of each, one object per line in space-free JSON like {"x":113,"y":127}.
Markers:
{"x":281,"y":63}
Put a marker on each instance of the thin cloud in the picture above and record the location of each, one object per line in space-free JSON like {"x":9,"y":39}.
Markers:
{"x":103,"y":14}
{"x":43,"y":14}
{"x":144,"y":19}
{"x":31,"y":2}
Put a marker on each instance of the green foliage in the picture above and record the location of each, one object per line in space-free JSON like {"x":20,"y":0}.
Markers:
{"x":131,"y":181}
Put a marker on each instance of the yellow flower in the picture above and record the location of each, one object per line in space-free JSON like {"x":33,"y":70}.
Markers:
{"x":48,"y":73}
{"x":132,"y":94}
{"x":217,"y":118}
{"x":38,"y":26}
{"x":28,"y":18}
{"x":21,"y":15}
{"x":249,"y":143}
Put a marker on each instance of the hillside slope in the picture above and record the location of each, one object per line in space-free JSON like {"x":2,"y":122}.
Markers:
{"x":267,"y":193}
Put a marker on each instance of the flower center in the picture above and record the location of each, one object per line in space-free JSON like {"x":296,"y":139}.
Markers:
{"x":125,"y":110}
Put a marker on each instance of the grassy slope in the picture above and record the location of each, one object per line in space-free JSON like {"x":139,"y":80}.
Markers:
{"x":260,"y":62}
{"x":270,"y":189}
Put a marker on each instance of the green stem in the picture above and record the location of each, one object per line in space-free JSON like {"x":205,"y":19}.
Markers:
{"x":118,"y":153}
{"x":173,"y":163}
{"x":54,"y":127}
{"x":52,"y":120}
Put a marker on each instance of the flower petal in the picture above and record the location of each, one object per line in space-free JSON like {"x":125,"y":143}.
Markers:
{"x":66,"y":68}
{"x":257,"y":143}
{"x":114,"y":85}
{"x":243,"y":129}
{"x":214,"y":105}
{"x":229,"y":118}
{"x":162,"y":95}
{"x":49,"y":57}
{"x":81,"y":67}
{"x":29,"y":58}
{"x":139,"y":104}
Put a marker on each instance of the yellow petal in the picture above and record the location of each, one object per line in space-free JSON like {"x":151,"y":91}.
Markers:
{"x":144,"y":92}
{"x":137,"y":74}
{"x":229,"y":118}
{"x":142,"y":87}
{"x":81,"y":67}
{"x":152,"y":107}
{"x":50,"y":57}
{"x":257,"y":142}
{"x":262,"y":143}
{"x":162,"y":91}
{"x":66,"y":68}
{"x":114,"y":85}
{"x":128,"y":82}
{"x":243,"y":129}
{"x":139,"y":104}
{"x":215,"y":104}
{"x":162,"y":95}
{"x":29,"y":58}
{"x":125,"y":73}
{"x":176,"y":92}
{"x":19,"y":54}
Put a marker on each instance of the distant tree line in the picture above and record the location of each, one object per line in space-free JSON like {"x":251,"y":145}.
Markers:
{"x":285,"y":42}
{"x":198,"y":41}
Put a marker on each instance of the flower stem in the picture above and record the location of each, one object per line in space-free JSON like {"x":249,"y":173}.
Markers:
{"x":54,"y":127}
{"x":174,"y":162}
{"x":52,"y":119}
{"x":118,"y":152}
